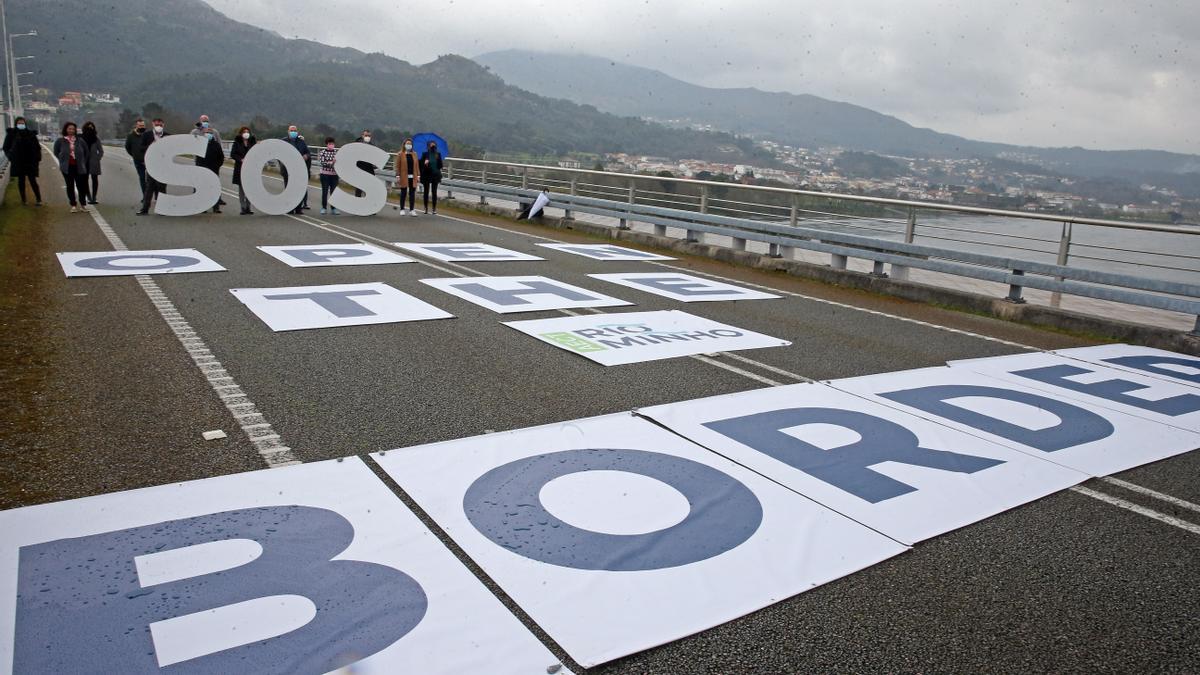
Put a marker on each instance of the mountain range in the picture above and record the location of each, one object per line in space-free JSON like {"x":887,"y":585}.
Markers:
{"x":802,"y":120}
{"x":185,"y":55}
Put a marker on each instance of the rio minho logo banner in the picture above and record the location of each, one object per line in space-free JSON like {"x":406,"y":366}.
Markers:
{"x":618,"y":339}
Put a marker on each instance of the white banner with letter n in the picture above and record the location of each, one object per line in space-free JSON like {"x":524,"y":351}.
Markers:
{"x":618,"y":339}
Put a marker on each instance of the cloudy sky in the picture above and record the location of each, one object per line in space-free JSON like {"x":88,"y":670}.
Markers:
{"x":1102,"y":74}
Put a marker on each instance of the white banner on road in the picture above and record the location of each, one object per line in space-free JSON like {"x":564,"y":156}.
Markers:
{"x":1045,"y":423}
{"x":615,"y":535}
{"x":507,"y":295}
{"x":617,"y":339}
{"x":1179,"y":368}
{"x":473,"y":252}
{"x":307,"y":568}
{"x":333,"y":255}
{"x":304,"y":307}
{"x":897,"y":473}
{"x":126,"y":263}
{"x":606,"y":252}
{"x":1141,"y":395}
{"x":683,"y":287}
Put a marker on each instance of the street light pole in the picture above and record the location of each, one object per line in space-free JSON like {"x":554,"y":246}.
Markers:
{"x":8,"y":65}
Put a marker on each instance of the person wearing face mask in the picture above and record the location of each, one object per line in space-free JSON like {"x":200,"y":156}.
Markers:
{"x":205,"y":129}
{"x":153,"y":187}
{"x":237,"y":152}
{"x":95,"y":153}
{"x":431,"y":174}
{"x":24,"y":154}
{"x":295,"y":140}
{"x":214,"y":159}
{"x":326,"y":159}
{"x":408,"y":174}
{"x":365,"y":137}
{"x":133,"y":146}
{"x":72,"y":154}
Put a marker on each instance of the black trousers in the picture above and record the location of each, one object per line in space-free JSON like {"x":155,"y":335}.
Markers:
{"x":95,"y":186}
{"x":141,"y":170}
{"x":430,"y":188}
{"x":153,"y":187}
{"x":76,"y":182}
{"x":408,"y":190}
{"x":37,"y":192}
{"x":284,"y":172}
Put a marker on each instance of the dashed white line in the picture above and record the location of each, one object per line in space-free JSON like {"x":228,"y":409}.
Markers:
{"x":1136,"y":508}
{"x":269,"y":444}
{"x":1181,"y":503}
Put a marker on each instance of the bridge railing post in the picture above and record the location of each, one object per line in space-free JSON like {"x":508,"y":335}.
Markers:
{"x":568,"y":215}
{"x":483,"y":179}
{"x":632,"y":197}
{"x":695,"y":235}
{"x":1014,"y":290}
{"x":1064,"y":254}
{"x":900,"y":272}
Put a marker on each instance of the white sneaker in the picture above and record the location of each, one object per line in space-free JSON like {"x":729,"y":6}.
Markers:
{"x":413,"y":213}
{"x":322,"y":211}
{"x":333,"y":211}
{"x":74,"y":210}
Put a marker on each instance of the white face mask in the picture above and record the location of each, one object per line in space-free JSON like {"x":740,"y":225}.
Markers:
{"x":408,"y":146}
{"x":246,"y":135}
{"x":158,"y":129}
{"x":366,"y":139}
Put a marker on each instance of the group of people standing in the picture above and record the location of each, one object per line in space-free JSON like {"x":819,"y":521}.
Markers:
{"x":411,"y":168}
{"x":79,"y":153}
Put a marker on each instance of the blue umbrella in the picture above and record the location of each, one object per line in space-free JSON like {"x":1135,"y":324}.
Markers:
{"x":421,"y":142}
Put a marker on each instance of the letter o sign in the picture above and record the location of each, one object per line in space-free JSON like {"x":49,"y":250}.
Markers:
{"x":252,"y":176}
{"x":723,"y":513}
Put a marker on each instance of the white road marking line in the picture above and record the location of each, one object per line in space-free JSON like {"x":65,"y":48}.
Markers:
{"x":768,"y":367}
{"x":269,"y":447}
{"x":775,"y":290}
{"x":1181,"y":503}
{"x":1140,"y":510}
{"x":739,"y":371}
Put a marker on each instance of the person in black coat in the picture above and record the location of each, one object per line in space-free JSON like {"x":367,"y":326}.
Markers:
{"x":214,"y":159}
{"x":431,"y":174}
{"x":133,"y":146}
{"x":95,"y":154}
{"x":24,"y":153}
{"x":242,"y":142}
{"x":153,"y":187}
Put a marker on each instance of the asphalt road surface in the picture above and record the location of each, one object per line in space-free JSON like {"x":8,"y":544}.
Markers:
{"x":101,"y":396}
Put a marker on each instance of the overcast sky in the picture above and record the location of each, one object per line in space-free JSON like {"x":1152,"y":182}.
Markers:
{"x":1105,"y":74}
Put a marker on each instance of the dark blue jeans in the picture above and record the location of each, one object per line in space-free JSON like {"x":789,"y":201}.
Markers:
{"x":141,"y":170}
{"x":329,"y":183}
